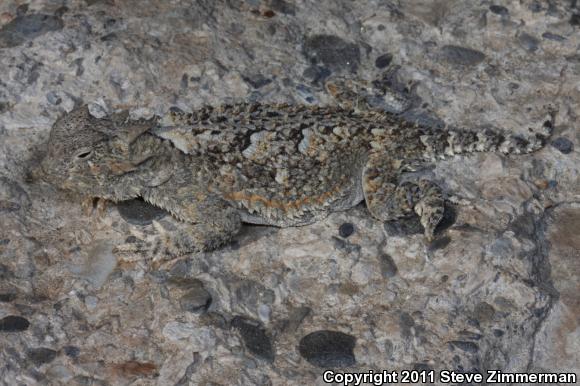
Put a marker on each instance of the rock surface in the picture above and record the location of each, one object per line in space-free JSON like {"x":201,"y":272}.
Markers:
{"x":497,"y":290}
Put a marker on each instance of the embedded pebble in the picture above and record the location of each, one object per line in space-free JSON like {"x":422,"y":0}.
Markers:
{"x":257,"y":80}
{"x":316,"y":74}
{"x":403,"y":302}
{"x":53,"y":98}
{"x":7,"y":297}
{"x":388,"y":266}
{"x":554,"y":37}
{"x":449,"y":218}
{"x":564,"y":145}
{"x":529,"y":42}
{"x":283,"y":6}
{"x":295,"y":318}
{"x":439,"y":243}
{"x":383,"y":61}
{"x":346,"y":230}
{"x":71,"y":351}
{"x":404,"y":226}
{"x":462,"y":55}
{"x":13,"y":323}
{"x":139,"y":212}
{"x":255,"y":337}
{"x":41,"y":355}
{"x":28,"y":27}
{"x":469,"y":347}
{"x":422,"y":367}
{"x":196,"y":300}
{"x":328,"y":349}
{"x":499,"y":10}
{"x":334,"y":52}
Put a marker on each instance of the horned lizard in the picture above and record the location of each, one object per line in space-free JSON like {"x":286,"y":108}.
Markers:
{"x":273,"y":164}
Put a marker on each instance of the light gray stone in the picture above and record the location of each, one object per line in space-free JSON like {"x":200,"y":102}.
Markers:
{"x":498,"y":290}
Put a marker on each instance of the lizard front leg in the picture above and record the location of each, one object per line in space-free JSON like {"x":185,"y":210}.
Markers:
{"x":208,"y":222}
{"x":213,"y":222}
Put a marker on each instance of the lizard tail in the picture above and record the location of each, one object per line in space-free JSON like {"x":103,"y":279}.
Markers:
{"x":448,"y":143}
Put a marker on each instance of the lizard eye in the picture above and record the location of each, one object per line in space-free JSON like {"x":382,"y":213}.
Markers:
{"x":83,"y":154}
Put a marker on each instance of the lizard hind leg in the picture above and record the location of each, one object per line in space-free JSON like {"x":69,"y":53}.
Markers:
{"x":430,"y":206}
{"x":389,"y":200}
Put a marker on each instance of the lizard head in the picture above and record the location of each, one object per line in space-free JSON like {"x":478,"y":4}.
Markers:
{"x":95,"y":157}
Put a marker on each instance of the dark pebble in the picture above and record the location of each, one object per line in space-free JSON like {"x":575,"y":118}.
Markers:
{"x":53,"y":98}
{"x":462,"y":55}
{"x":139,"y":212}
{"x":283,"y":7}
{"x":575,"y":19}
{"x":316,"y":74}
{"x":41,"y":355}
{"x":93,"y":2}
{"x":529,"y":42}
{"x":131,"y":239}
{"x":535,"y":7}
{"x":255,"y":337}
{"x":406,"y":320}
{"x":13,"y":323}
{"x":554,"y":37}
{"x":21,"y":9}
{"x":334,"y":52}
{"x":469,"y":335}
{"x":214,"y":319}
{"x":27,"y":27}
{"x":184,"y":84}
{"x":498,"y":333}
{"x":449,"y":218}
{"x":553,"y":9}
{"x":305,"y":93}
{"x":404,"y":226}
{"x":383,"y":60}
{"x":295,"y":318}
{"x":388,"y":266}
{"x":499,"y":10}
{"x":79,"y":64}
{"x":563,"y":144}
{"x":5,"y":272}
{"x":422,"y":367}
{"x":268,"y":13}
{"x":176,"y":110}
{"x":8,"y":297}
{"x":423,"y":119}
{"x":346,"y":229}
{"x":439,"y":243}
{"x":469,"y":347}
{"x":257,"y":80}
{"x":346,"y":246}
{"x":60,"y":11}
{"x":71,"y":351}
{"x":196,"y":300}
{"x":524,"y":226}
{"x":328,"y":349}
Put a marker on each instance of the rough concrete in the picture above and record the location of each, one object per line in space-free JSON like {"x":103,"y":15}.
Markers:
{"x":497,"y":290}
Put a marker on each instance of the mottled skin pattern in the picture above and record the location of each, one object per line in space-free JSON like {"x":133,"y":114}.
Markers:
{"x":281,"y":165}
